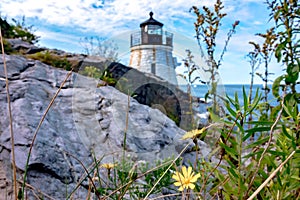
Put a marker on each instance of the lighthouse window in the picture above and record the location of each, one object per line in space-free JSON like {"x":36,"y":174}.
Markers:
{"x":153,"y":71}
{"x":153,"y":29}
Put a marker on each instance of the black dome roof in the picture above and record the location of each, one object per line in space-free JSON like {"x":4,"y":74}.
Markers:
{"x":151,"y":21}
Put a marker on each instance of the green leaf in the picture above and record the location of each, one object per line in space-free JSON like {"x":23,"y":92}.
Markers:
{"x":236,"y":104}
{"x":245,"y":100}
{"x":276,"y":153}
{"x":230,"y":100}
{"x":231,"y":111}
{"x":255,"y":101}
{"x":229,"y":150}
{"x":257,"y":143}
{"x":262,"y":123}
{"x":288,"y":110}
{"x":274,"y":112}
{"x":286,"y":133}
{"x":241,"y":128}
{"x":258,"y":129}
{"x":293,"y":73}
{"x":247,"y":136}
{"x":295,"y":177}
{"x":214,"y":117}
{"x":263,"y":173}
{"x":206,"y":97}
{"x":233,"y":173}
{"x":252,"y":154}
{"x":278,"y":50}
{"x":276,"y":86}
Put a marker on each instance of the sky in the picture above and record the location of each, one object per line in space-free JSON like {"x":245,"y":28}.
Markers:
{"x":64,"y":24}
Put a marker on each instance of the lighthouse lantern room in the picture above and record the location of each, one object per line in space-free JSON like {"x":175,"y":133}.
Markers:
{"x":151,"y":50}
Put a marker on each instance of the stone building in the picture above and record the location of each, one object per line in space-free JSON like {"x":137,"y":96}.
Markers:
{"x":151,"y":50}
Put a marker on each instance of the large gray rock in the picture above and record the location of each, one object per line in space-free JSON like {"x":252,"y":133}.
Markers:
{"x":153,"y":91}
{"x":25,"y":47}
{"x":84,"y":121}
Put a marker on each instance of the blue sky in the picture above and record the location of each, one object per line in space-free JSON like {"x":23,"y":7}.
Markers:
{"x":61,"y":25}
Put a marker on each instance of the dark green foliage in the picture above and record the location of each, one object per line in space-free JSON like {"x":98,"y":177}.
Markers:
{"x":248,"y":164}
{"x":249,"y":150}
{"x":18,"y":30}
{"x":108,"y":78}
{"x":62,"y":63}
{"x":7,"y":47}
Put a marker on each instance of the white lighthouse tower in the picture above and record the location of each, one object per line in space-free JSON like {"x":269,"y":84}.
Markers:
{"x":151,"y":50}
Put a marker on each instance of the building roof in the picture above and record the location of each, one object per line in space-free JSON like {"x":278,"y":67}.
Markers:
{"x":151,"y":21}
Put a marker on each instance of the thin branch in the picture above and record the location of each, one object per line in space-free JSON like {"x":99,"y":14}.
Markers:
{"x":10,"y":120}
{"x":39,"y":191}
{"x":229,"y":35}
{"x":87,"y":172}
{"x":39,"y":126}
{"x":270,"y":177}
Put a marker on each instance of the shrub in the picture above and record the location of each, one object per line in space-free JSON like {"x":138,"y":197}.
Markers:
{"x":51,"y":59}
{"x":18,"y":30}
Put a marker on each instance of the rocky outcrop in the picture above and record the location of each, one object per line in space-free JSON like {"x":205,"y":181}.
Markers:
{"x":146,"y":88}
{"x":150,"y":90}
{"x":84,"y":121}
{"x":25,"y":47}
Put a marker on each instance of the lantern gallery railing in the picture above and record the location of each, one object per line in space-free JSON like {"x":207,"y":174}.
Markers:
{"x":140,"y":38}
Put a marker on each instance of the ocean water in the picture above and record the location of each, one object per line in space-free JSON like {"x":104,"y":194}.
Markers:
{"x":230,"y":90}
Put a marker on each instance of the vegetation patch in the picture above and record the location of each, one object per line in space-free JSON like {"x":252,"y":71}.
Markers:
{"x":18,"y":30}
{"x":51,"y":59}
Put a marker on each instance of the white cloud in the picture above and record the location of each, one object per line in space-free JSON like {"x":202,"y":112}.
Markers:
{"x":99,"y":16}
{"x":59,"y":37}
{"x":111,"y":17}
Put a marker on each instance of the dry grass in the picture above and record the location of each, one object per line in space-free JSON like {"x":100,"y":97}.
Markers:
{"x":10,"y":121}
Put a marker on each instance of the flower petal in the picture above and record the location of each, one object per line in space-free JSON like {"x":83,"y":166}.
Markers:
{"x":180,"y":189}
{"x":191,"y":185}
{"x":184,"y":171}
{"x":177,"y":184}
{"x":189,"y":172}
{"x":194,"y":178}
{"x":182,"y":178}
{"x":176,"y":176}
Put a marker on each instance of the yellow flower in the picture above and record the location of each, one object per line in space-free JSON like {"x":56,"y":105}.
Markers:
{"x":186,"y":179}
{"x":108,"y":165}
{"x":193,"y":133}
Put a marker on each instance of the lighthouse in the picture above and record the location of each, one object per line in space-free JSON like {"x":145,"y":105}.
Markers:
{"x":151,"y":50}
